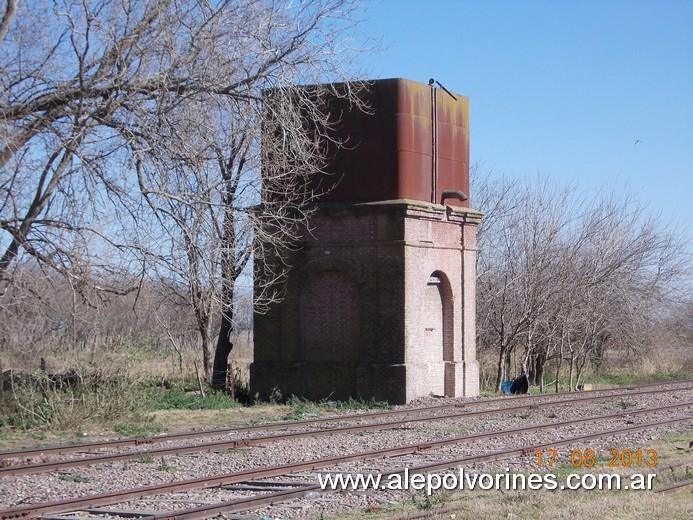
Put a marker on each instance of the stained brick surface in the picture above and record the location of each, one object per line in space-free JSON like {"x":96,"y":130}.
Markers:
{"x":380,"y":304}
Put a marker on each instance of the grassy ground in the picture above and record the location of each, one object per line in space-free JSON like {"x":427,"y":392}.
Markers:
{"x":171,"y":410}
{"x":135,"y":391}
{"x":140,"y":394}
{"x":120,"y":401}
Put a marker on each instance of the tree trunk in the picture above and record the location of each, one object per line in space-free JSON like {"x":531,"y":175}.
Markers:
{"x":539,"y":371}
{"x":221,"y":354}
{"x":206,"y":355}
{"x":579,"y":366}
{"x":541,"y":365}
{"x":500,"y":366}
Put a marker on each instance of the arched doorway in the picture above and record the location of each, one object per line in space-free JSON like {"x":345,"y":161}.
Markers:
{"x":439,"y":333}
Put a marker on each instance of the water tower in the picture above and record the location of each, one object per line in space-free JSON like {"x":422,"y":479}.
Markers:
{"x":380,"y":302}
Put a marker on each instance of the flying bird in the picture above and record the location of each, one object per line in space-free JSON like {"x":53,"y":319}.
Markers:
{"x":636,"y":142}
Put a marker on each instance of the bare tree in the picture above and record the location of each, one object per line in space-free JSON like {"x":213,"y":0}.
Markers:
{"x":144,"y":120}
{"x":10,"y":13}
{"x":66,"y":71}
{"x":518,"y":264}
{"x":240,"y":190}
{"x":565,"y":277}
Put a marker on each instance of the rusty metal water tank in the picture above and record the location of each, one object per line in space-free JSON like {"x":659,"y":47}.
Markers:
{"x":412,"y":144}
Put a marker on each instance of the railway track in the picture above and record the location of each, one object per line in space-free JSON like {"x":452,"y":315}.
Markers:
{"x":88,"y":504}
{"x":246,"y":504}
{"x":93,"y":502}
{"x":150,"y":440}
{"x":21,"y":469}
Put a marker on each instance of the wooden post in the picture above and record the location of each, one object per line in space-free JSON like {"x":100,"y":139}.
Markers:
{"x":230,"y":380}
{"x":199,"y":381}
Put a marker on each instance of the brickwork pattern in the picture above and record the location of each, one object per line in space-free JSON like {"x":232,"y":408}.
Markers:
{"x":362,"y":316}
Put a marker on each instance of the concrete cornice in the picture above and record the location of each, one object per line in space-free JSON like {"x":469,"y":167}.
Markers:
{"x":402,"y":207}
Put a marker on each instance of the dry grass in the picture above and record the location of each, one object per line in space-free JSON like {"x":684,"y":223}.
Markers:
{"x":564,"y":504}
{"x":184,"y":420}
{"x":544,"y":505}
{"x":669,"y":360}
{"x":138,"y":361}
{"x":574,"y":506}
{"x":169,"y":421}
{"x":75,"y":390}
{"x":662,"y":361}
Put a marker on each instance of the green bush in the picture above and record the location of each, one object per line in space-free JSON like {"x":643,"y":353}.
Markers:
{"x":357,"y":404}
{"x":241,"y":392}
{"x":301,"y":408}
{"x":178,"y":399}
{"x":670,"y":376}
{"x":40,"y":400}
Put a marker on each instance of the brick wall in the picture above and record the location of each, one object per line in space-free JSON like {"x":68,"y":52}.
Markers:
{"x":361,"y":317}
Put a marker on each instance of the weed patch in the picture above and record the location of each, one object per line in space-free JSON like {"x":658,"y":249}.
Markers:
{"x":237,"y":451}
{"x":166,"y":467}
{"x":460,"y":429}
{"x":616,"y":379}
{"x":357,"y":404}
{"x":426,"y":502}
{"x":179,"y":399}
{"x":642,"y":378}
{"x":300,"y":409}
{"x":524,"y":415}
{"x":625,"y":405}
{"x":78,"y":479}
{"x":144,"y":458}
{"x":145,"y":426}
{"x":670,"y":376}
{"x":38,"y":400}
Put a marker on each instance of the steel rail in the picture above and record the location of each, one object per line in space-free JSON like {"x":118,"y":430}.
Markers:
{"x":93,"y":501}
{"x":670,"y":488}
{"x":138,"y":441}
{"x":673,"y":487}
{"x":43,"y":467}
{"x":245,"y":504}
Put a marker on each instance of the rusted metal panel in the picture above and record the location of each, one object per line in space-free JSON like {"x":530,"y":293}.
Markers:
{"x":390,"y":152}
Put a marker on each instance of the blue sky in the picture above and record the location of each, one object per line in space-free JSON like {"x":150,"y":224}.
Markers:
{"x":562,"y":88}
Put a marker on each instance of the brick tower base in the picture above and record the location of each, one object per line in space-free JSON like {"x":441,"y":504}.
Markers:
{"x":380,"y":304}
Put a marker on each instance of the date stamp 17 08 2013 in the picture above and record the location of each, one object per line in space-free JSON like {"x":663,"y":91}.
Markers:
{"x":588,"y":458}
